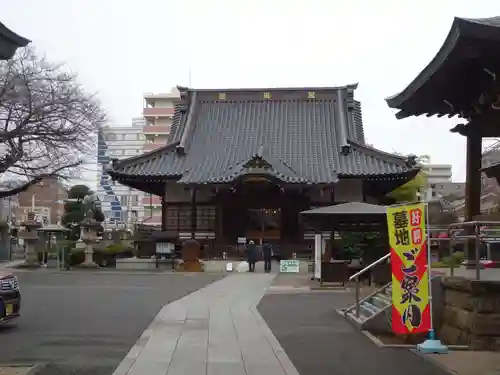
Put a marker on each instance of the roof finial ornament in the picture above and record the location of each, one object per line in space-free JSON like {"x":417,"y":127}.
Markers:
{"x":449,"y":104}
{"x":411,"y":161}
{"x":496,"y":102}
{"x":493,"y":75}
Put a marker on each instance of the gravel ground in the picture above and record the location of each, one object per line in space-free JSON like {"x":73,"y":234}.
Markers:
{"x":85,"y":324}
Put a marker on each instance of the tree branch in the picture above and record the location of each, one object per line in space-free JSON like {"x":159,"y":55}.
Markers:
{"x":48,"y":123}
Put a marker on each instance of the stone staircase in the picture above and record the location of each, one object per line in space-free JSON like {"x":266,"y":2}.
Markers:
{"x":372,"y":310}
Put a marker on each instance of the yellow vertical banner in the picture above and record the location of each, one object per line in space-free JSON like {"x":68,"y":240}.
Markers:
{"x":407,"y":229}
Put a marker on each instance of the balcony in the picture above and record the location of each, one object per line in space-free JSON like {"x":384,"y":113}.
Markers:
{"x":155,"y":220}
{"x":156,"y":129}
{"x":158,"y":112}
{"x":154,"y":200}
{"x":152,"y":146}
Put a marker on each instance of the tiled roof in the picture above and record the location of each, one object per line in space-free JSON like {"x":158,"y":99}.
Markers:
{"x":305,"y":135}
{"x":10,"y":42}
{"x":350,"y":208}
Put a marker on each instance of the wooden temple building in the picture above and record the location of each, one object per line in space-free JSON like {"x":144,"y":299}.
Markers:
{"x":462,"y":81}
{"x":10,"y":42}
{"x":241,"y":164}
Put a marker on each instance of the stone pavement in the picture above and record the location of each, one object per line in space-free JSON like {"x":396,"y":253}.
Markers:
{"x":469,"y":362}
{"x":11,"y":264}
{"x":16,"y":370}
{"x":216,"y":331}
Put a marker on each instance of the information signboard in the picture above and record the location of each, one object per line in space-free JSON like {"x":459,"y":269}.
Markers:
{"x":289,"y":266}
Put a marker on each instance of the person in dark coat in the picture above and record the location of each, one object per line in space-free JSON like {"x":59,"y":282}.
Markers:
{"x":251,"y":256}
{"x":267,"y":254}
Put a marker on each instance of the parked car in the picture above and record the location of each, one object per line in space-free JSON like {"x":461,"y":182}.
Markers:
{"x":10,"y":297}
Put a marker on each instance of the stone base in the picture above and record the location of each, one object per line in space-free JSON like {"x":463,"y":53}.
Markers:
{"x":142,"y":264}
{"x":29,"y":265}
{"x":89,"y":265}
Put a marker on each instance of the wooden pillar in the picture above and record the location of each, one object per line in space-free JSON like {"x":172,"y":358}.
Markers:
{"x":473,"y":187}
{"x":473,"y":176}
{"x":164,"y":211}
{"x":193,"y":213}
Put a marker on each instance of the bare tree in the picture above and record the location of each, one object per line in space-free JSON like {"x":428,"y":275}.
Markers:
{"x":48,"y":123}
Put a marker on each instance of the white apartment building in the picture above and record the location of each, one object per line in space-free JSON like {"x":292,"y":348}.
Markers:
{"x":158,"y":115}
{"x":120,"y":204}
{"x":439,"y":182}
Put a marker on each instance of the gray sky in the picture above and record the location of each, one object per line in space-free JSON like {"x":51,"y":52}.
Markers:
{"x":122,"y":48}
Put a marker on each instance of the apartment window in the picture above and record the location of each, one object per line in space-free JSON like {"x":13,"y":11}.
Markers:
{"x":141,"y":137}
{"x":134,"y":200}
{"x":123,"y":200}
{"x":110,"y":137}
{"x":131,"y":137}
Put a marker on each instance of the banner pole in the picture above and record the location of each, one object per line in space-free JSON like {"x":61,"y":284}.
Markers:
{"x":429,"y":265}
{"x":432,"y":345}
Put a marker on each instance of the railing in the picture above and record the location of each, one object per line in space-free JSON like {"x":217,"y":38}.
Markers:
{"x":358,"y":286}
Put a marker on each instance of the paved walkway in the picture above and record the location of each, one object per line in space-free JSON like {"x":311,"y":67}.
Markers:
{"x":321,"y":342}
{"x":216,"y":331}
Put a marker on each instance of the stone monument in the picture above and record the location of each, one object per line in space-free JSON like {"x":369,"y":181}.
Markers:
{"x":30,"y":238}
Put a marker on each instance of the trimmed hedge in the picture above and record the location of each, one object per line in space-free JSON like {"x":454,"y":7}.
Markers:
{"x":103,"y":257}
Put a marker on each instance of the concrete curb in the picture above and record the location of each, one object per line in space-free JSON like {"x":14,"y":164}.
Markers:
{"x":432,"y":360}
{"x":286,"y":363}
{"x":33,"y":369}
{"x":36,"y":368}
{"x":380,"y":344}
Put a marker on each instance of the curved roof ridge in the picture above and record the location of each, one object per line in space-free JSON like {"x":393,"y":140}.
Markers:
{"x":134,"y":159}
{"x":351,"y":86}
{"x":459,"y":27}
{"x":377,"y":152}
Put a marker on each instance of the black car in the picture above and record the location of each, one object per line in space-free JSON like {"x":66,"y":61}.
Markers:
{"x":10,"y":297}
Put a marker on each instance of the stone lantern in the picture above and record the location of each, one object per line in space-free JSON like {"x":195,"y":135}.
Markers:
{"x":89,"y":227}
{"x":30,"y":239}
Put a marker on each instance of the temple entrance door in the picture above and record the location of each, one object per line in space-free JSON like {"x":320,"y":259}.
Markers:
{"x":263,"y":225}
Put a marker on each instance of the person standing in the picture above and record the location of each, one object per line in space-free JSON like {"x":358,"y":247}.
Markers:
{"x":267,"y":254}
{"x":251,"y":256}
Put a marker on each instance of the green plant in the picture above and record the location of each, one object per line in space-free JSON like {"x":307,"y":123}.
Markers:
{"x":361,"y":244}
{"x":454,"y":260}
{"x":117,"y":248}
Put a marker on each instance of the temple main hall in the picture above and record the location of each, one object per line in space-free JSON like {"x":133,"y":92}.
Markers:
{"x":241,"y":164}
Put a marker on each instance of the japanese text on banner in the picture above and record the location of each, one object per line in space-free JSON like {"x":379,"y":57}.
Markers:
{"x":409,"y":263}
